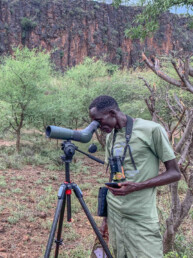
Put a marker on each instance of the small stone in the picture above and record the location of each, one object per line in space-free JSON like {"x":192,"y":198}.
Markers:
{"x":42,"y":215}
{"x":2,"y":229}
{"x":3,"y":249}
{"x":31,"y":200}
{"x":26,"y":238}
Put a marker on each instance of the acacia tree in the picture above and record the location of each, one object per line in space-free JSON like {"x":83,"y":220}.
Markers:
{"x":183,"y":125}
{"x":23,"y":78}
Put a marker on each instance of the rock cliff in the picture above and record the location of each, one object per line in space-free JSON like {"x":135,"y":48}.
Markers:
{"x":73,"y":29}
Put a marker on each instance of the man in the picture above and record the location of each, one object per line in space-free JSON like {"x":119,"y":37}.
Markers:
{"x":132,"y":215}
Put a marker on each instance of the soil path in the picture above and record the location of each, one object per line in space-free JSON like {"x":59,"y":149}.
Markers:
{"x":28,"y":199}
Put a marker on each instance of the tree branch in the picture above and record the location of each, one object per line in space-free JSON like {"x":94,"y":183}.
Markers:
{"x":184,"y":82}
{"x":185,"y":150}
{"x":186,"y":133}
{"x":179,"y":121}
{"x":191,"y":71}
{"x":156,"y":69}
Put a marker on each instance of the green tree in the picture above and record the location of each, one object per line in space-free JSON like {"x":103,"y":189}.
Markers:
{"x":86,"y":81}
{"x":148,"y":21}
{"x":23,"y":79}
{"x":53,"y":109}
{"x":92,"y":78}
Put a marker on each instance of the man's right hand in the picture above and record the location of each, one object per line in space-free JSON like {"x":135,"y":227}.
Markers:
{"x":104,"y":230}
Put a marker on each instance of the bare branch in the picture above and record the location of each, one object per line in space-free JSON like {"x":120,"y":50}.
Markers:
{"x":191,"y":71}
{"x":146,"y":84}
{"x":183,"y":74}
{"x":178,"y":69}
{"x":184,"y":171}
{"x":151,"y":103}
{"x":186,"y":204}
{"x":184,"y":82}
{"x":179,"y":121}
{"x":170,"y":106}
{"x":185,"y":150}
{"x":186,"y":67}
{"x":179,"y":102}
{"x":186,"y":133}
{"x":161,"y":74}
{"x":163,"y":123}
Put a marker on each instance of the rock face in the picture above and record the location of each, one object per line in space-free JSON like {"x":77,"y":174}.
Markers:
{"x":73,"y":29}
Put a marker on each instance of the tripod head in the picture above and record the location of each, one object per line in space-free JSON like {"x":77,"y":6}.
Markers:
{"x":69,"y":151}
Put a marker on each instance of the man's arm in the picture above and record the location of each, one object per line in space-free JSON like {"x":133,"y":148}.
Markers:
{"x":171,"y":175}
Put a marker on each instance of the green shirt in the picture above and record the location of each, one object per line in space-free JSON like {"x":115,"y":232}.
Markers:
{"x":149,"y":145}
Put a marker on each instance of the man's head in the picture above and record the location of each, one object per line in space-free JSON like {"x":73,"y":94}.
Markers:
{"x":105,"y":110}
{"x":104,"y":102}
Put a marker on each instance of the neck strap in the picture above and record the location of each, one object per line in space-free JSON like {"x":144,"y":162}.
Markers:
{"x":128,"y":133}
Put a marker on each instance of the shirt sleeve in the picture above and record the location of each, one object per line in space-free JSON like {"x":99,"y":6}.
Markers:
{"x":161,"y":145}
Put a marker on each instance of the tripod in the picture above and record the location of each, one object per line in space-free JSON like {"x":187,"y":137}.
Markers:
{"x":64,"y":196}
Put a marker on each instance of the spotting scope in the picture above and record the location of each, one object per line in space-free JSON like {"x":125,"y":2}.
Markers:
{"x":84,"y":135}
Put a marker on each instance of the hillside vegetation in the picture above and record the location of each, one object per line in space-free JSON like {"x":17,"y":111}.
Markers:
{"x":32,"y":96}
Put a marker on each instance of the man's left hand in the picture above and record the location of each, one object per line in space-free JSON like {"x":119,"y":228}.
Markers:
{"x":125,"y":188}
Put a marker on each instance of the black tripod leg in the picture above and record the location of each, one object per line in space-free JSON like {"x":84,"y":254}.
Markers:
{"x":90,"y":218}
{"x":59,"y":212}
{"x":58,"y":240}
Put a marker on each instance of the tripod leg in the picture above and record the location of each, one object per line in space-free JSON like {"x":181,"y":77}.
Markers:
{"x":90,"y":218}
{"x":68,"y":202}
{"x":58,"y":240}
{"x":59,"y":212}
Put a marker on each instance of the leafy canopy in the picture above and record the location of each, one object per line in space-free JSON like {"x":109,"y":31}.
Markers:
{"x":147,"y":22}
{"x":23,"y":79}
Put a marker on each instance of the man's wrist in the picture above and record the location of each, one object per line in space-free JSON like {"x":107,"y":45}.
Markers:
{"x":140,"y":186}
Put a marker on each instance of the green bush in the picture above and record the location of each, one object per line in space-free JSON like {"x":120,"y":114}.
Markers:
{"x":27,"y":24}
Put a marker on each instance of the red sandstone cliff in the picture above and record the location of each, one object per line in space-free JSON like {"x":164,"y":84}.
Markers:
{"x":71,"y":30}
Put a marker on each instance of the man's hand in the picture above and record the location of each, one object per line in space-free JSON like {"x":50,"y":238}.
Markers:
{"x":172,"y":174}
{"x":125,"y":188}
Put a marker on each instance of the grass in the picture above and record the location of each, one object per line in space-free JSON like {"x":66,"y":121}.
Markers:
{"x":78,"y":252}
{"x":38,"y":182}
{"x":16,"y":190}
{"x":85,"y":186}
{"x":17,"y":211}
{"x":182,"y":187}
{"x":36,"y":193}
{"x":46,"y":202}
{"x":17,"y":178}
{"x":2,"y":182}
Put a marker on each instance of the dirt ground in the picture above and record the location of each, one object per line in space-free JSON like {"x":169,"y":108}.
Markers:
{"x":28,"y":200}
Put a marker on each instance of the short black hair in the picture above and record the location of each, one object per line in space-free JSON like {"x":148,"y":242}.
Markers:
{"x":104,"y":102}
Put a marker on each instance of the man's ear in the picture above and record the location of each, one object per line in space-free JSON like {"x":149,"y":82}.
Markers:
{"x":113,"y":113}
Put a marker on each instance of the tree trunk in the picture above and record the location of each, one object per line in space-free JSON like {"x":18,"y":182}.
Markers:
{"x":101,"y":138}
{"x":18,"y":140}
{"x":169,"y":236}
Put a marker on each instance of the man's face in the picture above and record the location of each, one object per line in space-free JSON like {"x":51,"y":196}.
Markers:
{"x":107,"y":119}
